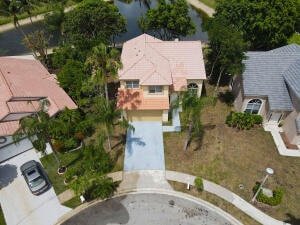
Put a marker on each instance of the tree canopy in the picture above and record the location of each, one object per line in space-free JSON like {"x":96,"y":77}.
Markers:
{"x":91,"y":22}
{"x":265,"y":24}
{"x":226,"y":48}
{"x":168,"y":20}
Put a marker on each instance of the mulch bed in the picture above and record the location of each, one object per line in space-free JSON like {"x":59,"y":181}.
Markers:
{"x":286,"y":142}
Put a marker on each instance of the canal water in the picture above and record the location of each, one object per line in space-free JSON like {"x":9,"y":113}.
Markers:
{"x":11,"y":41}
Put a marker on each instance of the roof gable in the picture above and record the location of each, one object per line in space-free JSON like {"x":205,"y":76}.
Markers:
{"x":169,"y":59}
{"x":265,"y":72}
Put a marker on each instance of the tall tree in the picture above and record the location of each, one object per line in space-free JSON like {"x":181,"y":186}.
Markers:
{"x":37,"y":128}
{"x":38,"y":43}
{"x":106,"y":114}
{"x":226,"y":48}
{"x":92,"y":22}
{"x":191,"y":105}
{"x":265,"y":24}
{"x":168,"y":20}
{"x":71,"y":78}
{"x":103,"y":63}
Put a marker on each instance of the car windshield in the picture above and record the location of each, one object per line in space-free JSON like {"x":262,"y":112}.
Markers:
{"x":35,"y":182}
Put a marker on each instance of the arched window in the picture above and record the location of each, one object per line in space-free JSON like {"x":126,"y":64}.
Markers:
{"x":193,"y":88}
{"x":253,"y":106}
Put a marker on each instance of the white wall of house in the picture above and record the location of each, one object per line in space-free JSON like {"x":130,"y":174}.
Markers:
{"x":165,"y":115}
{"x":263,"y":108}
{"x":289,"y":128}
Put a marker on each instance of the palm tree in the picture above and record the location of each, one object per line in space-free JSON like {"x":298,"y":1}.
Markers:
{"x":104,"y":63}
{"x":192,"y":105}
{"x":106,"y":114}
{"x":37,"y":128}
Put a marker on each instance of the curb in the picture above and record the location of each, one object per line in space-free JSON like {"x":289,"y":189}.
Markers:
{"x":125,"y":192}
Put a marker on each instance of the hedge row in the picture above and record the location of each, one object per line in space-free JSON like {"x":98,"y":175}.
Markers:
{"x":273,"y":201}
{"x":243,"y":120}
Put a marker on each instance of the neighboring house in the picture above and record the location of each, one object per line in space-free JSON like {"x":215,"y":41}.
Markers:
{"x":153,"y":74}
{"x":270,"y":86}
{"x":24,"y":84}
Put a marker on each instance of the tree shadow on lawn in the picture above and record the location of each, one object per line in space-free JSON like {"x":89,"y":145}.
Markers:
{"x":199,"y":138}
{"x":292,"y":219}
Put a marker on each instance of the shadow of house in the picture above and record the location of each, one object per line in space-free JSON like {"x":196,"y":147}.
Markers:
{"x":8,"y":173}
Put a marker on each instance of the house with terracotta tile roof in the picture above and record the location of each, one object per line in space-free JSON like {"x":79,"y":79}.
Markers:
{"x":24,"y":84}
{"x":270,"y":87}
{"x":153,"y":74}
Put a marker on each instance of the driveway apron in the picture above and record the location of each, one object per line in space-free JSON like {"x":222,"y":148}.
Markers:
{"x":144,"y":147}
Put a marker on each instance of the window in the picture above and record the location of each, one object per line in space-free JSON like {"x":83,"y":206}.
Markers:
{"x":132,"y":84}
{"x":253,"y":106}
{"x":193,"y":88}
{"x":155,"y":89}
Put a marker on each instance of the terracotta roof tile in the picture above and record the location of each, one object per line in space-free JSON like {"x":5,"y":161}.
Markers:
{"x":27,"y":77}
{"x":133,"y":99}
{"x":153,"y":61}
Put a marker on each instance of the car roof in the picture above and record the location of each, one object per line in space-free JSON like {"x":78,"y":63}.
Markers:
{"x":28,"y":165}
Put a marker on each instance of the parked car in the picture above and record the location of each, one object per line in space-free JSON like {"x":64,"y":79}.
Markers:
{"x":34,"y":176}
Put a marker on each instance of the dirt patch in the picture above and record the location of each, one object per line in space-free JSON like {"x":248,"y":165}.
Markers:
{"x":230,"y":157}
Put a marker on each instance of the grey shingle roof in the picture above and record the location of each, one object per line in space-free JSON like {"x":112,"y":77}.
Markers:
{"x":264,"y":75}
{"x":292,"y":77}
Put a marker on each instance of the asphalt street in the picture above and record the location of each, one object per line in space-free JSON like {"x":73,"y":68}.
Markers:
{"x":147,"y":209}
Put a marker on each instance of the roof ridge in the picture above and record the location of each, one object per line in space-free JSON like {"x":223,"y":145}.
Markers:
{"x":6,"y":84}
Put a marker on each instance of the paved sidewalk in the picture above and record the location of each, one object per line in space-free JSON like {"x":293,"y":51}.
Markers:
{"x":10,"y":26}
{"x":144,"y":179}
{"x":274,"y":129}
{"x":156,"y":182}
{"x":226,"y":195}
{"x":176,"y":127}
{"x":209,"y":11}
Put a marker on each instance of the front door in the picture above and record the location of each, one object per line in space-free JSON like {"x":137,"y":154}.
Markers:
{"x":275,"y":117}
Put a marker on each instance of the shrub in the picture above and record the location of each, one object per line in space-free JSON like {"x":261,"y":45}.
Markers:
{"x":101,"y":188}
{"x":199,"y":183}
{"x":243,"y":120}
{"x":273,"y":201}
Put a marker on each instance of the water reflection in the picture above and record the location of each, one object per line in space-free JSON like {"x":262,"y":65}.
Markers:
{"x":11,"y":41}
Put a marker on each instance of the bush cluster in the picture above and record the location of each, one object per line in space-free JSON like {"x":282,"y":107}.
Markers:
{"x":243,"y":120}
{"x":273,"y":201}
{"x":199,"y":183}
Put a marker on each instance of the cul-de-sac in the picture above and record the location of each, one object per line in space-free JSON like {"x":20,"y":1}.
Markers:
{"x":149,"y":112}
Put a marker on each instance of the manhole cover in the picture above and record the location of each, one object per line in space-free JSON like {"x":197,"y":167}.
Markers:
{"x":171,"y":203}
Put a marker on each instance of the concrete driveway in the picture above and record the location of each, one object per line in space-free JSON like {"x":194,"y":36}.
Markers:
{"x":18,"y":204}
{"x":144,"y":147}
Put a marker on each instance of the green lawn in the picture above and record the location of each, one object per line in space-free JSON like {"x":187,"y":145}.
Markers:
{"x":295,"y":39}
{"x":210,"y":3}
{"x":41,"y":8}
{"x":2,"y":220}
{"x":230,"y":157}
{"x":70,"y":159}
{"x":73,"y":202}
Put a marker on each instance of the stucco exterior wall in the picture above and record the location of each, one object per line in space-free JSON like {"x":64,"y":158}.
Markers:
{"x":295,"y":100}
{"x":263,"y":108}
{"x":164,"y":93}
{"x":165,"y":116}
{"x":237,"y":92}
{"x":289,"y":128}
{"x":145,"y":115}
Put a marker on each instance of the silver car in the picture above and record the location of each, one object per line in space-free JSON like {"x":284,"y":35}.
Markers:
{"x":35,"y":179}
